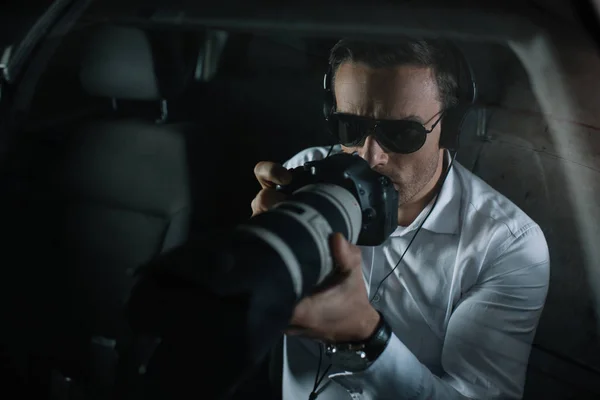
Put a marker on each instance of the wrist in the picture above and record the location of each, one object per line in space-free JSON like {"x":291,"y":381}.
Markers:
{"x":379,"y":339}
{"x":369,"y":324}
{"x":358,"y":356}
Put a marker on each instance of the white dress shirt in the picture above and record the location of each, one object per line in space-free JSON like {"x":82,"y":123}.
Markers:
{"x":463,"y":304}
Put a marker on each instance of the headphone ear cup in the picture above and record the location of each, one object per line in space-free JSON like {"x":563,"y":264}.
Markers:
{"x":327,"y":106}
{"x":332,"y":123}
{"x":455,"y":118}
{"x":452,"y":126}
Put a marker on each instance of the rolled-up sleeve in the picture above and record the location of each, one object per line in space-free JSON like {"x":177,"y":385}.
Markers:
{"x":487,"y":340}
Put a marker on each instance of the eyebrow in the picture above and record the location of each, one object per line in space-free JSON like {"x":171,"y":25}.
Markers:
{"x":415,"y":118}
{"x":387,"y":117}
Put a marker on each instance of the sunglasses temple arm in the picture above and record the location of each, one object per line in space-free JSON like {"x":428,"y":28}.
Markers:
{"x":435,"y":123}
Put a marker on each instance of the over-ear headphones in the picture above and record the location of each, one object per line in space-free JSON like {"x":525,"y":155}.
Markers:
{"x":453,"y":119}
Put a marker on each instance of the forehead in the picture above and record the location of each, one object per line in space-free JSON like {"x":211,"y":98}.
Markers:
{"x":394,"y":93}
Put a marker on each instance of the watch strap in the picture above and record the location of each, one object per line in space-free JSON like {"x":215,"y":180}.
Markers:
{"x":376,"y":344}
{"x":365,"y":352}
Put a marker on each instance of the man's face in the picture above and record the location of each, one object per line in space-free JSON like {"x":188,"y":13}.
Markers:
{"x":404,"y":92}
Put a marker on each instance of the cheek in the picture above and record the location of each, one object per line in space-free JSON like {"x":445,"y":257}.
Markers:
{"x":433,"y":140}
{"x":404,"y":167}
{"x":400,"y":165}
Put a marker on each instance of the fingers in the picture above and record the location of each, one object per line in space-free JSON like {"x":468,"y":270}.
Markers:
{"x":270,"y":174}
{"x":345,"y":255}
{"x":265,"y":199}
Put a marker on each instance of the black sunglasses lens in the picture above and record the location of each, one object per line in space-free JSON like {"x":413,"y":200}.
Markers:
{"x":350,"y":131}
{"x":401,"y":136}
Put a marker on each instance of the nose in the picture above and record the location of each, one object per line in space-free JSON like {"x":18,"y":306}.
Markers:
{"x":372,"y":152}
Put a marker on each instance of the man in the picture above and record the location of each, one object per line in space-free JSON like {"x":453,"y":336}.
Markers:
{"x":464,"y":302}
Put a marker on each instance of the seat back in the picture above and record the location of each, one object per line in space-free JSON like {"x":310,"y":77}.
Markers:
{"x":123,"y":186}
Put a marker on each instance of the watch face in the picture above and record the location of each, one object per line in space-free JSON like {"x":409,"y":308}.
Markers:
{"x":352,"y":361}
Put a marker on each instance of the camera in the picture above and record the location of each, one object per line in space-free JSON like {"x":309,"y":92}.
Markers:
{"x":340,"y":193}
{"x":374,"y":193}
{"x":247,"y":282}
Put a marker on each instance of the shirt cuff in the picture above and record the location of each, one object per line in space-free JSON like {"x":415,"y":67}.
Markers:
{"x":396,"y":374}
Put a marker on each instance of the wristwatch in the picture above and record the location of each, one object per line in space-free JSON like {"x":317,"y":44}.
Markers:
{"x":358,"y":356}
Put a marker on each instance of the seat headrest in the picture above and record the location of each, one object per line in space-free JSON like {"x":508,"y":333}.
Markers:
{"x":131,"y":64}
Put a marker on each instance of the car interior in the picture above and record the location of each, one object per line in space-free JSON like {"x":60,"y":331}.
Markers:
{"x":142,"y":138}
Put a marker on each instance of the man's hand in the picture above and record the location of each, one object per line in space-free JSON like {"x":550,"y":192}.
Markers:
{"x":269,"y":175}
{"x":341,"y":312}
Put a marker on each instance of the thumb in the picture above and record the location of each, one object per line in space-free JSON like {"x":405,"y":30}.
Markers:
{"x":345,"y":255}
{"x":281,"y":175}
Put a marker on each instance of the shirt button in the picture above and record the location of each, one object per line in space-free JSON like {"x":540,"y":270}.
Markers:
{"x":376,"y":298}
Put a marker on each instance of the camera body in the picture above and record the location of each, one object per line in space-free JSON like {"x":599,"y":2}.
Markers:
{"x":375,"y":193}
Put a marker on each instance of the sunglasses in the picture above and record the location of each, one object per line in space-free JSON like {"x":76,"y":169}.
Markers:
{"x":394,"y":135}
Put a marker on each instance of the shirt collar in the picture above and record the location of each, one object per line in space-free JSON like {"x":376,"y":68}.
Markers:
{"x":444,"y":217}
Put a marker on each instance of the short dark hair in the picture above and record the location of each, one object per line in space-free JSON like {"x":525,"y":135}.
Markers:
{"x":405,"y":51}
